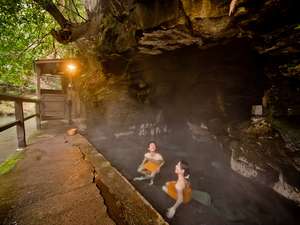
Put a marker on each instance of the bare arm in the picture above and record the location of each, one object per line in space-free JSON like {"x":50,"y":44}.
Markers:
{"x":161,"y":163}
{"x":172,"y":210}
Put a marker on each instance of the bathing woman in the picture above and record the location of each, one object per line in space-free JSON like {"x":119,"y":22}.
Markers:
{"x":151,"y":164}
{"x":179,"y":190}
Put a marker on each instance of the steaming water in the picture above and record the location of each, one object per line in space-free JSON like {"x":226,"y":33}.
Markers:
{"x":191,"y":87}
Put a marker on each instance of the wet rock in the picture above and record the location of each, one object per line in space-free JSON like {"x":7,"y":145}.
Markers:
{"x":121,"y":24}
{"x":150,"y":14}
{"x":260,"y":154}
{"x":205,"y":8}
{"x":287,"y":190}
{"x":259,"y":127}
{"x":290,"y":133}
{"x":257,"y":110}
{"x":166,"y":40}
{"x":283,"y":100}
{"x":242,"y":166}
{"x":293,"y":71}
{"x":214,"y":28}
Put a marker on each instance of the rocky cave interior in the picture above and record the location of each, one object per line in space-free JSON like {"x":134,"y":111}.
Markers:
{"x":187,"y":75}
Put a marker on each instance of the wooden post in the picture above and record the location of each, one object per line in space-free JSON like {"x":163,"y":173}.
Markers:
{"x":69,"y":101}
{"x":20,"y":126}
{"x":70,"y":111}
{"x":38,"y":93}
{"x":38,"y":116}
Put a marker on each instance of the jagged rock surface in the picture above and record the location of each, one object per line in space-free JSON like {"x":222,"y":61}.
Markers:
{"x":143,"y":64}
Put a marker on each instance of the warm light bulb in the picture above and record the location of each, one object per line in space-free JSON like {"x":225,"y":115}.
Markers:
{"x":71,"y":67}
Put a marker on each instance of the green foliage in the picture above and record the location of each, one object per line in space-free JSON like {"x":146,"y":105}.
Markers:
{"x":10,"y":163}
{"x":73,"y":10}
{"x":25,"y":36}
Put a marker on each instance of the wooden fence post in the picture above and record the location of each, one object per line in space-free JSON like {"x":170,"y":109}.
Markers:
{"x":69,"y":111}
{"x":69,"y":101}
{"x":38,"y":94}
{"x":38,"y":116}
{"x":20,"y":126}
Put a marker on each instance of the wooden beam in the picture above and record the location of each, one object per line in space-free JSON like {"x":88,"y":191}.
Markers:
{"x":29,"y":117}
{"x":8,"y":125}
{"x":14,"y":123}
{"x":55,"y":61}
{"x":14,"y":98}
{"x":20,"y":126}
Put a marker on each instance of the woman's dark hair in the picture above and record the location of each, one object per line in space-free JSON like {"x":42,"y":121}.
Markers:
{"x":185,"y":166}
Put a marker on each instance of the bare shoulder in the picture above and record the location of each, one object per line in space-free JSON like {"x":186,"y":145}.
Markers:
{"x":147,"y":155}
{"x":159,"y":156}
{"x":180,"y":186}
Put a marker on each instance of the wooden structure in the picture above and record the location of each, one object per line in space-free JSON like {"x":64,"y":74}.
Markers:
{"x":20,"y":119}
{"x":58,"y":100}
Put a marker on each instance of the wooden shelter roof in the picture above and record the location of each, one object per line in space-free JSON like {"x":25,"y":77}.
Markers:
{"x":53,"y":66}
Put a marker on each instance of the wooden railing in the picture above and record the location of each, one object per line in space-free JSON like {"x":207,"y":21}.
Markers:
{"x":20,"y":119}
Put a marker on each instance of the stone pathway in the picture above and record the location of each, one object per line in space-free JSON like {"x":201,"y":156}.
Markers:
{"x":53,"y":184}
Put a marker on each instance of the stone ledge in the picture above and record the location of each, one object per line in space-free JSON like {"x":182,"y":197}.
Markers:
{"x":125,"y":204}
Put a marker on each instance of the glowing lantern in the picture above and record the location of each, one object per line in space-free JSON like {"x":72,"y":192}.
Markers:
{"x":71,"y":68}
